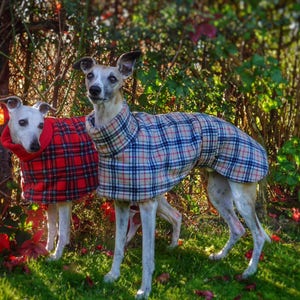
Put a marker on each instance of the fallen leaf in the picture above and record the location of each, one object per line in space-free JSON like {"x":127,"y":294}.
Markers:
{"x":250,"y":287}
{"x":208,"y":295}
{"x":248,"y":255}
{"x":163,"y":278}
{"x":83,"y":251}
{"x":89,"y":281}
{"x":275,"y":238}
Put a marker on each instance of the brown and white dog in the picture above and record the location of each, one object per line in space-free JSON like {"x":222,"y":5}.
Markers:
{"x":59,"y":164}
{"x":141,"y":156}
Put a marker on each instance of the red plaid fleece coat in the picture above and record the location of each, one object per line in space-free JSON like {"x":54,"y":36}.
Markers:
{"x":65,"y":169}
{"x":143,"y":155}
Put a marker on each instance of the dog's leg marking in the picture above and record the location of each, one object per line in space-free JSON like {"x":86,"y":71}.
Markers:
{"x":64,"y":220}
{"x":148,"y":216}
{"x":122,"y":217}
{"x":52,"y":226}
{"x":244,"y":196}
{"x":171,"y":215}
{"x":221,"y":197}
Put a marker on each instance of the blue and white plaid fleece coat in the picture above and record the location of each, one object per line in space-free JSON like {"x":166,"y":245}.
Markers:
{"x":142,"y":155}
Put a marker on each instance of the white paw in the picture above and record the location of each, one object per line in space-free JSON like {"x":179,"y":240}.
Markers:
{"x":53,"y":257}
{"x":141,"y":294}
{"x":216,"y":256}
{"x":248,"y":272}
{"x":110,"y":277}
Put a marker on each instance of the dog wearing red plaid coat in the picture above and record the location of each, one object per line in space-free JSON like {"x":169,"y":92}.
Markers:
{"x":141,"y":156}
{"x":59,"y":164}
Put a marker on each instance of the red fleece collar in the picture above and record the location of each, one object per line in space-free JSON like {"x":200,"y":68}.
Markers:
{"x":19,"y":150}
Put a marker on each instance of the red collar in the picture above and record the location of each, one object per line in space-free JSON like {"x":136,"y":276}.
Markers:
{"x":19,"y":150}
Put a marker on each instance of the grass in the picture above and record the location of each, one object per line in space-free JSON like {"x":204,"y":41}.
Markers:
{"x":78,"y":276}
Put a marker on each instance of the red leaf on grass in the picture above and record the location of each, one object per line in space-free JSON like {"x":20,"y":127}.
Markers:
{"x":208,"y":295}
{"x":238,"y":297}
{"x":275,"y":238}
{"x":109,"y":253}
{"x":250,"y":287}
{"x":84,"y":251}
{"x":89,"y":281}
{"x":248,"y":255}
{"x":163,"y":278}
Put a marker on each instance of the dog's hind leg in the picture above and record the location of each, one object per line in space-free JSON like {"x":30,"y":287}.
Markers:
{"x":122,"y":217}
{"x":244,"y":196}
{"x":148,"y":217}
{"x":52,"y":216}
{"x":64,"y":220}
{"x":221,"y":197}
{"x":172,"y":215}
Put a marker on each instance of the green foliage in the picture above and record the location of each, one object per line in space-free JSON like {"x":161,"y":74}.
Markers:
{"x":287,"y":170}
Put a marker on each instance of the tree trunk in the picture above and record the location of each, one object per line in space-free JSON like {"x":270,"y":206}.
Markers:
{"x":5,"y":163}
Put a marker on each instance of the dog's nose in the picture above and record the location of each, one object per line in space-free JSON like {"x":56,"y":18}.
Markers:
{"x":35,"y":146}
{"x":95,"y":90}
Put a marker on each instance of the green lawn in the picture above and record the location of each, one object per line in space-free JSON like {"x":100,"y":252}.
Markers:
{"x":79,"y":276}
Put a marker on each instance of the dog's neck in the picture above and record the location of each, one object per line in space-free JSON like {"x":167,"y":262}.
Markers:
{"x":105,"y":111}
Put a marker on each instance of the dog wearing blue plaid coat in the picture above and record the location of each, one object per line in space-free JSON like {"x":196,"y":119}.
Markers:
{"x":142,"y":156}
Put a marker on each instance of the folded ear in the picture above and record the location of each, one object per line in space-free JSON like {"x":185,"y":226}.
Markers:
{"x":44,"y":107}
{"x":84,"y":64}
{"x":12,"y":102}
{"x":127,"y":61}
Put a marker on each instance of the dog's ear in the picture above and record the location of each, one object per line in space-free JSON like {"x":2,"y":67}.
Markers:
{"x":44,"y":107}
{"x":84,"y":64}
{"x":127,"y":61}
{"x":12,"y":102}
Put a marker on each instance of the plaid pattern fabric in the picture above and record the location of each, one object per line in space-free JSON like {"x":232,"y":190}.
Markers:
{"x":65,"y":169}
{"x":143,"y":155}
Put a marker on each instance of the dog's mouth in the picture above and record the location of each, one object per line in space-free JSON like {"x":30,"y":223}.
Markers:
{"x":97,"y":99}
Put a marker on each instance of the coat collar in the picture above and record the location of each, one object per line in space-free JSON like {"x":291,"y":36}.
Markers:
{"x":19,"y":150}
{"x":114,"y":137}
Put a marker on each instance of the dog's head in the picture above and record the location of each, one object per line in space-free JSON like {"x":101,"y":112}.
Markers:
{"x":103,"y":83}
{"x":26,"y":122}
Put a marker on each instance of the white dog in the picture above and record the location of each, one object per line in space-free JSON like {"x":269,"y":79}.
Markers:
{"x":142,"y":156}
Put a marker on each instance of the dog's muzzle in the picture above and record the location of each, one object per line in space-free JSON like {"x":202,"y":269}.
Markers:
{"x":95,"y":93}
{"x":35,"y":146}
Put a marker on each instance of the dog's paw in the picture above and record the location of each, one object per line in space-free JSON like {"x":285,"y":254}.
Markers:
{"x":54,"y":256}
{"x":51,"y":257}
{"x":142,"y":294}
{"x":217,"y":256}
{"x":110,"y":277}
{"x":249,"y":271}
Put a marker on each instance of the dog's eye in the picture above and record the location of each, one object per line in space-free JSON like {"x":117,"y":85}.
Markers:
{"x":23,"y":122}
{"x":90,"y":76}
{"x":112,"y":79}
{"x":41,"y":126}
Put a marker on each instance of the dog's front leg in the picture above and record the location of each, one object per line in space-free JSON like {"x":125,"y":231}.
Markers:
{"x":64,"y":220}
{"x":52,"y":226}
{"x":148,"y":218}
{"x":122,"y":217}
